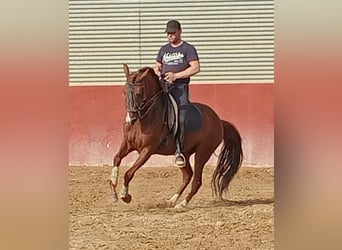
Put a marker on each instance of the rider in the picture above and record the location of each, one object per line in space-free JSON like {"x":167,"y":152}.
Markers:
{"x":176,"y":62}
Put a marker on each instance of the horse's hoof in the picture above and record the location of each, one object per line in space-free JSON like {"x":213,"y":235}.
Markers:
{"x":114,"y":198}
{"x":173,"y":199}
{"x":127,"y":198}
{"x":183,"y":204}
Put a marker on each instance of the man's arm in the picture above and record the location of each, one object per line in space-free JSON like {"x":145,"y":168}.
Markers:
{"x":157,"y":69}
{"x":190,"y":71}
{"x":193,"y":69}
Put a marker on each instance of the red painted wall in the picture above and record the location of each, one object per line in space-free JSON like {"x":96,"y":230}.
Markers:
{"x":97,"y":114}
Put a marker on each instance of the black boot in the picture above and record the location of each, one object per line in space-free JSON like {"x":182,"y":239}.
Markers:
{"x":179,"y":159}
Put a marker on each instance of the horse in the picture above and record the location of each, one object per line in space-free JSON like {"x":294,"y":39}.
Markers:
{"x":146,"y":132}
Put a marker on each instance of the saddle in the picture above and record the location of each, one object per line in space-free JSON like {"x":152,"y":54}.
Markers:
{"x":171,"y":115}
{"x":193,"y":117}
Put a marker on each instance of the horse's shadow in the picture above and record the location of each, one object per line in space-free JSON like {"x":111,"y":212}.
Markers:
{"x":161,"y":206}
{"x":241,"y":203}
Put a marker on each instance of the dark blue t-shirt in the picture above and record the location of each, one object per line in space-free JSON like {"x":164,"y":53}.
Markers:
{"x":176,"y":59}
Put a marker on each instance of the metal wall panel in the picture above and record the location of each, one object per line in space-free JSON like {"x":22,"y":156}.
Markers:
{"x":234,"y":39}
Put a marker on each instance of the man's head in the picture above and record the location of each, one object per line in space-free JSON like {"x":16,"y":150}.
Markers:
{"x":173,"y":26}
{"x":173,"y":30}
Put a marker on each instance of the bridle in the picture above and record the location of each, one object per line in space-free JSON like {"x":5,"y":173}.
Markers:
{"x":139,"y":105}
{"x":132,"y":104}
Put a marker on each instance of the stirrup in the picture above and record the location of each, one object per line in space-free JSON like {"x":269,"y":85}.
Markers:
{"x":179,"y":160}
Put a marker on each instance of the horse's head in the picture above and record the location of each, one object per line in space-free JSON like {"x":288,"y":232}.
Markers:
{"x":141,"y":87}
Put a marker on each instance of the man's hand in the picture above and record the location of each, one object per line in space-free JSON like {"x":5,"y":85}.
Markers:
{"x":157,"y":72}
{"x":170,"y":77}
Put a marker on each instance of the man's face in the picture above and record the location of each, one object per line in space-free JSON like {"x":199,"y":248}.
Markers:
{"x":174,"y":37}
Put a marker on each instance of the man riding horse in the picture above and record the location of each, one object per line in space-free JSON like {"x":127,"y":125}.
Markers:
{"x":146,"y":132}
{"x":176,"y":62}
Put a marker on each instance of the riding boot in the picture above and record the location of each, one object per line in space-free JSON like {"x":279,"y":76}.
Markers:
{"x":179,"y":159}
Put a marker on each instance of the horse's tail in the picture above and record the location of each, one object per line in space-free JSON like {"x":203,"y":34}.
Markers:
{"x":229,"y":160}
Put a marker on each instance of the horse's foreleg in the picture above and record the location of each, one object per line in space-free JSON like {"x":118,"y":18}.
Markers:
{"x":124,"y":150}
{"x":144,"y":155}
{"x":187,"y":175}
{"x":113,"y":182}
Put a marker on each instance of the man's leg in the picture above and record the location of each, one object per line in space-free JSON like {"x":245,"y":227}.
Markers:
{"x":180,"y":159}
{"x":181,"y":96}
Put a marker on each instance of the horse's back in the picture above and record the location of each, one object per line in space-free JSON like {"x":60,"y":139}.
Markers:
{"x":208,"y":112}
{"x":211,"y":122}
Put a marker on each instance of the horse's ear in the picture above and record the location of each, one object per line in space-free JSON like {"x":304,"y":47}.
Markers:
{"x":126,"y":69}
{"x":144,"y":73}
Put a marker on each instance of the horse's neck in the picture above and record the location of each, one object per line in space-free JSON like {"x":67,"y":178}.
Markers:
{"x":156,"y":114}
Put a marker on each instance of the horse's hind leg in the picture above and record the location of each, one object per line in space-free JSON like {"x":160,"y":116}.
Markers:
{"x":200,"y":159}
{"x":187,"y":175}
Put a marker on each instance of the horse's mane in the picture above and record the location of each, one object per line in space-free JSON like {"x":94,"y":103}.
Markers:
{"x":141,"y":70}
{"x":150,"y":71}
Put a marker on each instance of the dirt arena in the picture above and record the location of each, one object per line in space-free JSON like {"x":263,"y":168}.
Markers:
{"x":246,"y":221}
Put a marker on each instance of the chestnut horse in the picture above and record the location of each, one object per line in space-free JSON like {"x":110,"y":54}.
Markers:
{"x":146,"y":132}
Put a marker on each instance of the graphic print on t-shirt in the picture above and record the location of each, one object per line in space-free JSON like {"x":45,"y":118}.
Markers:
{"x":174,"y":58}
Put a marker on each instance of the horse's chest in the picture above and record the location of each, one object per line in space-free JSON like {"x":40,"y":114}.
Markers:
{"x":138,"y":139}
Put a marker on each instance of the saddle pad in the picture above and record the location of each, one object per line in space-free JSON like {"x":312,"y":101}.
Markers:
{"x":193,"y":117}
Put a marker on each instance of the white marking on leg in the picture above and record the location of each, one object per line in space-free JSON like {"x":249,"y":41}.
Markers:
{"x":174,"y":198}
{"x":114,"y":197}
{"x":123,"y":192}
{"x":114,"y":175}
{"x":183,"y":204}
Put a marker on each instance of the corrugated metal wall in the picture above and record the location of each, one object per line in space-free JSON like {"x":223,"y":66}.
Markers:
{"x":234,"y":39}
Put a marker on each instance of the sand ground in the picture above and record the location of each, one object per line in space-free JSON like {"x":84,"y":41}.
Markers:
{"x":244,"y":221}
